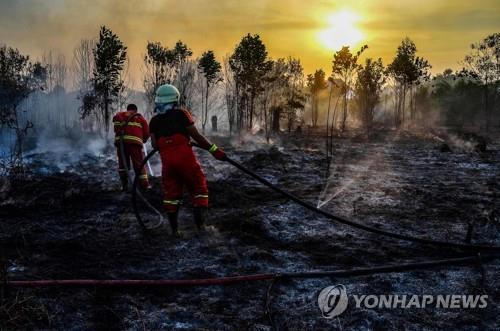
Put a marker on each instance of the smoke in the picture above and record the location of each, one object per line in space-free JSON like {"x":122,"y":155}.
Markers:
{"x":70,"y":147}
{"x":60,"y":153}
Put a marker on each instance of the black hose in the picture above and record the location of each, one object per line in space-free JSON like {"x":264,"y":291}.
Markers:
{"x":391,"y":267}
{"x":227,"y":280}
{"x":135,"y":190}
{"x":339,"y":219}
{"x":357,"y":225}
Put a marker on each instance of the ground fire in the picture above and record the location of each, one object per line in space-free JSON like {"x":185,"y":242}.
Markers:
{"x":345,"y":180}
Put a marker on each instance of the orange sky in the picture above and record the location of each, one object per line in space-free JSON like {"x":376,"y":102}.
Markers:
{"x":441,"y":29}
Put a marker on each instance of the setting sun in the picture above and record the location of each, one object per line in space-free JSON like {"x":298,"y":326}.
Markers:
{"x":342,"y":30}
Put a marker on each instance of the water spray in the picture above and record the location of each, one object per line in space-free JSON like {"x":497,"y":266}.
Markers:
{"x":307,"y":205}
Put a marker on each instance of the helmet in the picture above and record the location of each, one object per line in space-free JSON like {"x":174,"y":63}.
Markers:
{"x":167,"y":94}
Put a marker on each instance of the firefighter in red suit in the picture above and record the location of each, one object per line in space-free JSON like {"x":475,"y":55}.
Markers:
{"x":171,"y":130}
{"x":135,"y":132}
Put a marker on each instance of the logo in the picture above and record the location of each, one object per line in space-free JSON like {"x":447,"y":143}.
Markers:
{"x":332,"y":301}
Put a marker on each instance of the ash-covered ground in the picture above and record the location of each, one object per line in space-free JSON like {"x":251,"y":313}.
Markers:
{"x":67,"y":220}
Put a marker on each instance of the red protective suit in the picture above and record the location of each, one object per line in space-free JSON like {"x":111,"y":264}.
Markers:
{"x":134,"y":135}
{"x":179,"y":164}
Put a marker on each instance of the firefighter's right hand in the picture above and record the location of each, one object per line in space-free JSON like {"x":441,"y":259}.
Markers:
{"x":217,"y":153}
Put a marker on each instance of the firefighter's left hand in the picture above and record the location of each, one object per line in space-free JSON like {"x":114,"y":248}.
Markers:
{"x":217,"y":153}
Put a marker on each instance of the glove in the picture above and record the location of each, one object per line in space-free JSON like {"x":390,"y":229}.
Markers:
{"x":217,"y":153}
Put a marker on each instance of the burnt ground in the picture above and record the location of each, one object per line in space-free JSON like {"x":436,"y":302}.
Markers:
{"x":68,"y":220}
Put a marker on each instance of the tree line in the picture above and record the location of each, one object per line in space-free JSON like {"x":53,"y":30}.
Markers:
{"x":259,"y":93}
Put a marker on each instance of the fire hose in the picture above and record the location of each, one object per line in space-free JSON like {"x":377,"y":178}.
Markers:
{"x":307,"y":205}
{"x":478,"y":259}
{"x":129,"y":176}
{"x":256,"y":277}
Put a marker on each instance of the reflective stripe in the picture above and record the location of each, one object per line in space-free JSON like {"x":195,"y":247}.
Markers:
{"x":143,"y":177}
{"x":126,"y":137}
{"x":212,"y":148}
{"x":129,"y":123}
{"x":171,"y":202}
{"x":199,"y":196}
{"x":122,"y":170}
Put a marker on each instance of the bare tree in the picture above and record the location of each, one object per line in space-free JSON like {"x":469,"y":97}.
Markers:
{"x":56,"y":70}
{"x":83,"y":65}
{"x":230,"y":93}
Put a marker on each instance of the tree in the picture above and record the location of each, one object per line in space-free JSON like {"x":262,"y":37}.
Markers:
{"x":458,"y":98}
{"x":295,"y":98}
{"x":83,"y":66}
{"x":407,"y":71}
{"x":370,"y":79}
{"x":315,"y":83}
{"x":230,"y":93}
{"x":157,"y":69}
{"x":483,"y":66}
{"x":185,"y":72}
{"x":19,"y":77}
{"x":250,"y":64}
{"x":344,"y":67}
{"x":272,"y":97}
{"x":211,"y":70}
{"x":110,"y":56}
{"x":56,"y":69}
{"x":163,"y":65}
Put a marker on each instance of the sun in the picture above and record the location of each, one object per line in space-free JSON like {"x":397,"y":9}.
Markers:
{"x":342,"y":30}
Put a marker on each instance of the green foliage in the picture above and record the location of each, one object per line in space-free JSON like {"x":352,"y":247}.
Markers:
{"x":249,"y":64}
{"x":19,"y":77}
{"x":369,"y":83}
{"x":315,"y":84}
{"x":457,"y":98}
{"x":483,"y":66}
{"x":163,"y":66}
{"x":211,"y":70}
{"x":483,"y":62}
{"x":407,"y":70}
{"x":344,"y":66}
{"x":249,"y":61}
{"x":110,"y":56}
{"x":210,"y":67}
{"x":295,"y":98}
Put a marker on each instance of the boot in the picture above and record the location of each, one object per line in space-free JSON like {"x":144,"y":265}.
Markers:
{"x":174,"y":225}
{"x":199,"y":217}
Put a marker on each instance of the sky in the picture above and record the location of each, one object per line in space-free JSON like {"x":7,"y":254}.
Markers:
{"x":310,"y":30}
